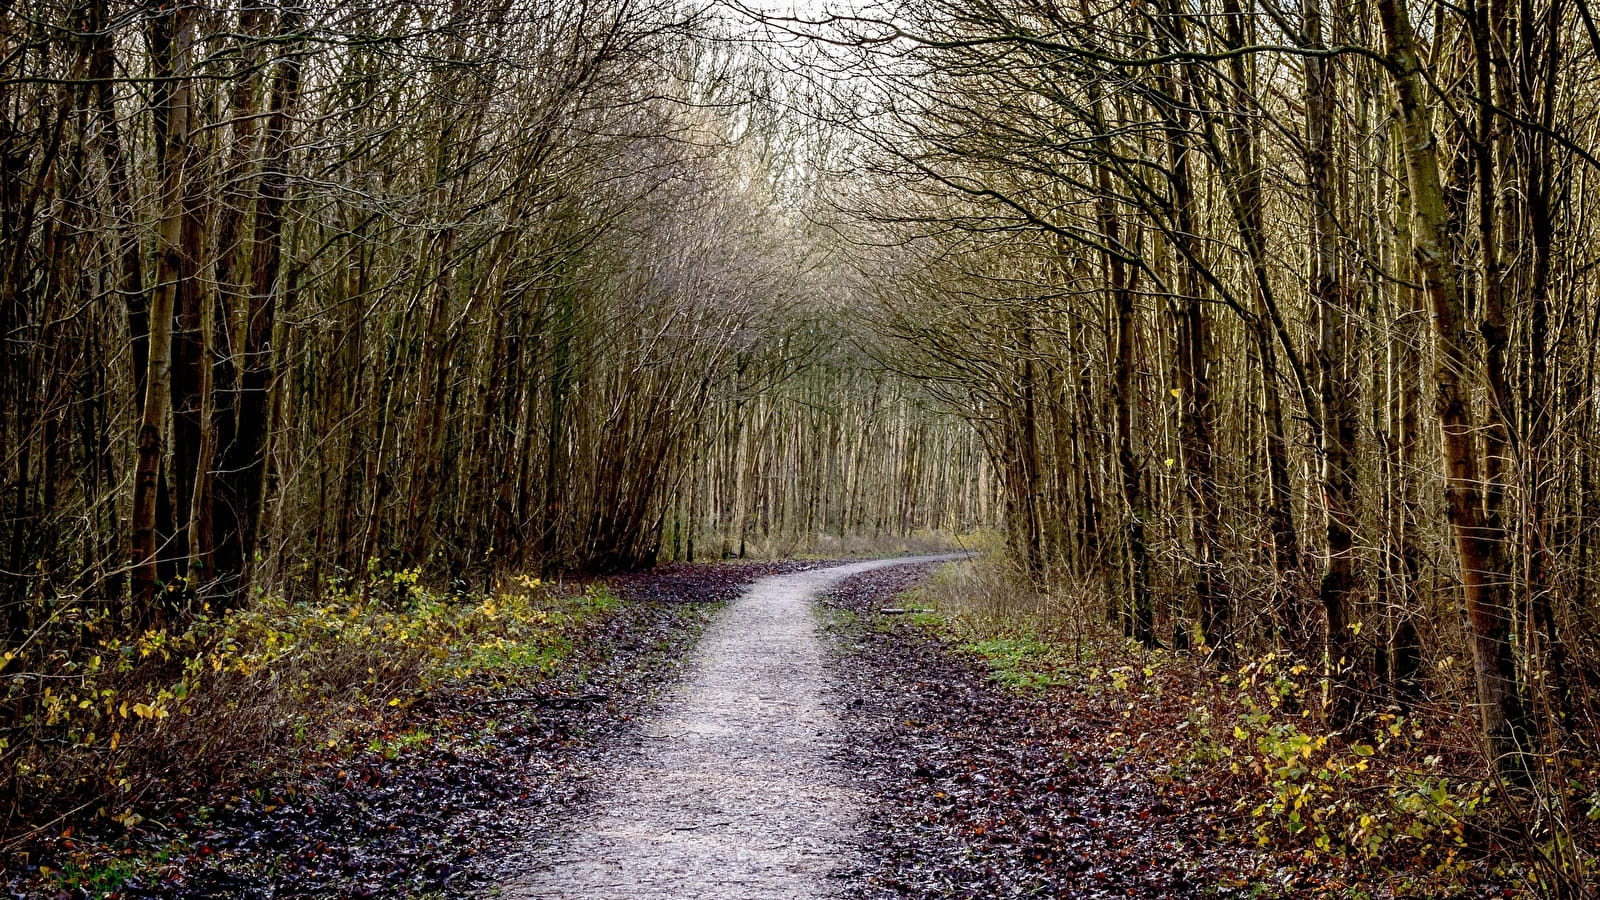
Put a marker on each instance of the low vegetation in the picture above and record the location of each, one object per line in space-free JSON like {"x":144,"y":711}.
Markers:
{"x":126,"y":726}
{"x":1397,"y":804}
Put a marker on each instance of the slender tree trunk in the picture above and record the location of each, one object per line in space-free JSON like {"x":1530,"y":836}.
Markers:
{"x":245,"y":459}
{"x":1546,"y":652}
{"x":1193,"y":369}
{"x":1403,"y":652}
{"x":1332,"y":298}
{"x":1485,"y":581}
{"x":1028,"y":469}
{"x":1141,"y":605}
{"x":1246,"y":199}
{"x":172,"y":39}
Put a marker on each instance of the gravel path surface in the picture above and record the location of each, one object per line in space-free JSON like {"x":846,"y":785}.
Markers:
{"x":735,"y":793}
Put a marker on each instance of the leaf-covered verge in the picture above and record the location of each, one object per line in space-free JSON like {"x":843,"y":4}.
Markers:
{"x":380,"y":743}
{"x":1011,"y":759}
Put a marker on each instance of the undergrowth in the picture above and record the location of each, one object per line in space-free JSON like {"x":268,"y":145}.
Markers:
{"x":108,"y":726}
{"x":1397,"y":805}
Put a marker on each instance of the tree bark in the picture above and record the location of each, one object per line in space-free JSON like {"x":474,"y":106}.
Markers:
{"x":172,"y":40}
{"x":244,"y":467}
{"x":1332,"y":298}
{"x":1485,"y":579}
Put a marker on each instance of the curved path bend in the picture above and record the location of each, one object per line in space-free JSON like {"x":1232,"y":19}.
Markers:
{"x":733,"y":795}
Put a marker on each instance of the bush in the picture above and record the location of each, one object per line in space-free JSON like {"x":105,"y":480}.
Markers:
{"x":1399,"y":803}
{"x":110,"y":722}
{"x":1381,"y":796}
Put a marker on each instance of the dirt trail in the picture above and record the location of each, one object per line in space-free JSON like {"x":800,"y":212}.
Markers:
{"x":732,"y":795}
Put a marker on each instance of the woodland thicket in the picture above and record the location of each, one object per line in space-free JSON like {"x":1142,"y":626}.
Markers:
{"x":1281,"y":320}
{"x":1274,"y":325}
{"x":309,"y":300}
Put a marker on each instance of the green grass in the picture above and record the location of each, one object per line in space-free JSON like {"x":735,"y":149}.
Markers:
{"x":393,"y":747}
{"x":96,"y":880}
{"x":104,"y":877}
{"x":1023,"y":663}
{"x":1017,"y":658}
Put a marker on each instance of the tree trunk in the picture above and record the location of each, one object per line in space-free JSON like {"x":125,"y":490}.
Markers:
{"x":1484,"y":575}
{"x":1245,"y":195}
{"x":172,"y":39}
{"x":1193,"y":368}
{"x":1332,"y":297}
{"x":1141,"y":605}
{"x":243,"y":480}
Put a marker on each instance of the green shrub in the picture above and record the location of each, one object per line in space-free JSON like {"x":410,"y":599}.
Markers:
{"x":104,"y":717}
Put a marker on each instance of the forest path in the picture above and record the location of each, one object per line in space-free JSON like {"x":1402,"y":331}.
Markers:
{"x":733,"y":794}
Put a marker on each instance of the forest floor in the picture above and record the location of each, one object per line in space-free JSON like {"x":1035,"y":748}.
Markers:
{"x":1006,"y":767}
{"x":988,"y":792}
{"x":425,"y":800}
{"x":762,"y":757}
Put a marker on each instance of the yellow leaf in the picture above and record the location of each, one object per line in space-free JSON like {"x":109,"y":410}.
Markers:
{"x":116,"y":738}
{"x":1176,"y":393}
